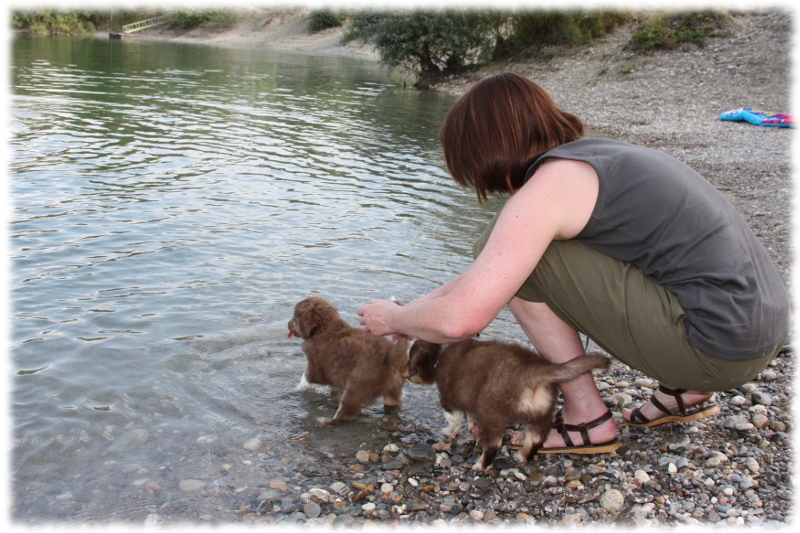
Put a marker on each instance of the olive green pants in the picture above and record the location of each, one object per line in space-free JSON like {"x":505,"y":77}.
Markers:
{"x":628,"y":315}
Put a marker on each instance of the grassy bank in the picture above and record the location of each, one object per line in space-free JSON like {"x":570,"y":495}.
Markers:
{"x":430,"y":44}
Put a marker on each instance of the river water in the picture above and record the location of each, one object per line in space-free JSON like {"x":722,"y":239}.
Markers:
{"x":170,"y":205}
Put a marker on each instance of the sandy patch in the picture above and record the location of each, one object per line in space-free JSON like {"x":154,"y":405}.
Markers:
{"x":279,"y":29}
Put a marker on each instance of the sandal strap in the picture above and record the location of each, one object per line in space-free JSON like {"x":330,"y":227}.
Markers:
{"x":639,"y":418}
{"x":564,"y":428}
{"x":675,"y":393}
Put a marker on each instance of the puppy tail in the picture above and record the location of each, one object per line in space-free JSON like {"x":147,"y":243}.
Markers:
{"x":402,"y":340}
{"x":576,"y":367}
{"x":401,"y":349}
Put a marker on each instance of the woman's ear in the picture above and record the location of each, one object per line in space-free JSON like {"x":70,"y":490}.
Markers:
{"x":511,"y":188}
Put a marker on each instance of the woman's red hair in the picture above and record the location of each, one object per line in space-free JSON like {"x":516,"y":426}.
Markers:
{"x":498,"y":128}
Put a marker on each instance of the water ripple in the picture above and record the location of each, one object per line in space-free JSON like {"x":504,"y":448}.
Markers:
{"x":169,"y":208}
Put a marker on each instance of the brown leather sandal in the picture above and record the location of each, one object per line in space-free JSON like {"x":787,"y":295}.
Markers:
{"x":586,"y":447}
{"x":696,"y":412}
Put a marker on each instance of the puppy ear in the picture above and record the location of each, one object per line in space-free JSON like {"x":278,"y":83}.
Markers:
{"x":415,"y":356}
{"x":422,"y":360}
{"x":308,"y":320}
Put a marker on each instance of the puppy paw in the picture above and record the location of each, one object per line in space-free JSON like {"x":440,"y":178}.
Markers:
{"x":520,"y":458}
{"x":322,"y":421}
{"x":304,"y":384}
{"x":450,"y":433}
{"x":454,"y":422}
{"x":478,"y":466}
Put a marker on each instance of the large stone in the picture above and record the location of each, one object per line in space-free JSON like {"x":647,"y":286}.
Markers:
{"x":612,"y":501}
{"x":421,"y":452}
{"x":130,"y":440}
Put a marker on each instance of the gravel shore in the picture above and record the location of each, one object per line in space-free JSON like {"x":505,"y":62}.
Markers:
{"x":732,"y":469}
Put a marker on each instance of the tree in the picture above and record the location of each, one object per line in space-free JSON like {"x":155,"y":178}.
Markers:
{"x":431,"y":44}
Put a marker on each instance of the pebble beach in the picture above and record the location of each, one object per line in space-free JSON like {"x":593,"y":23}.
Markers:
{"x":732,"y":469}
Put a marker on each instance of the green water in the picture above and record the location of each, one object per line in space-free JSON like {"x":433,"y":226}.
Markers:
{"x":170,"y":204}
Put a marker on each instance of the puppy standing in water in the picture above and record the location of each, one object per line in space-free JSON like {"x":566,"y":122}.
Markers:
{"x":496,"y":384}
{"x":362,"y":365}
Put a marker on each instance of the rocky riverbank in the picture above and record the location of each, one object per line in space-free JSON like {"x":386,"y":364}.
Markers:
{"x":734,"y":468}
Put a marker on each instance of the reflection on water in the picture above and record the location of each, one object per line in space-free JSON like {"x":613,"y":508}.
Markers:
{"x":171,"y":203}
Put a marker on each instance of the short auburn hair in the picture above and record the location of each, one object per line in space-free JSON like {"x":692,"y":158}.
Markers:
{"x":498,"y":128}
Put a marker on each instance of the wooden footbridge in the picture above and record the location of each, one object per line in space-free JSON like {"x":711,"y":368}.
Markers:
{"x":129,"y":29}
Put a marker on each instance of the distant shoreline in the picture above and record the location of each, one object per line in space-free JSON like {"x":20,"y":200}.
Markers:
{"x":273,"y":29}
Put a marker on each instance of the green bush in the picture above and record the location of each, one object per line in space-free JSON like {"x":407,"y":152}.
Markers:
{"x":185,"y":20}
{"x":428,"y":43}
{"x":324,"y":19}
{"x":55,"y":22}
{"x":666,"y":31}
{"x":433,"y":44}
{"x":535,"y":30}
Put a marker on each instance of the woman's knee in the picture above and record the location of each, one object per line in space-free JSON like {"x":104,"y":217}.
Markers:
{"x":552,"y":337}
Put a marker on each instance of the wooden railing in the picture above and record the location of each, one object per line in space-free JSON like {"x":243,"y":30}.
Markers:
{"x":144,"y":24}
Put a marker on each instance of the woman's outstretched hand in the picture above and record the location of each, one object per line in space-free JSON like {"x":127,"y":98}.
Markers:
{"x":376,"y":316}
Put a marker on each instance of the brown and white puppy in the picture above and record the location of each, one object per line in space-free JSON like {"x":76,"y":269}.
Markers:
{"x":496,"y":384}
{"x":352,"y":360}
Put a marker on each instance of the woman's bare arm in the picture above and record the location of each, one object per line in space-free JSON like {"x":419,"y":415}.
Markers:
{"x":555,"y":204}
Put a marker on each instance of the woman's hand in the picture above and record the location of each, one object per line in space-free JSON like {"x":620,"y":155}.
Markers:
{"x":376,"y":317}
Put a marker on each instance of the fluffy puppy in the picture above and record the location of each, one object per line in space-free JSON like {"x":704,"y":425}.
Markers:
{"x":352,"y":360}
{"x":496,"y":384}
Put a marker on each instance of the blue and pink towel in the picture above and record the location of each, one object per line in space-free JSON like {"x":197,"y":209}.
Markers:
{"x":759,"y":118}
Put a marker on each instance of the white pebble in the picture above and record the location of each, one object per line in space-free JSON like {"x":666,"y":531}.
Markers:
{"x":337,"y":487}
{"x":641,"y":476}
{"x":612,"y":500}
{"x":391,"y":448}
{"x":386,"y":488}
{"x":769,"y":375}
{"x":737,"y":401}
{"x":362,"y":456}
{"x":191,"y":485}
{"x":252,"y":445}
{"x":320,"y":494}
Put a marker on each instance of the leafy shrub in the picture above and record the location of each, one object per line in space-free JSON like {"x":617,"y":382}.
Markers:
{"x":433,"y":44}
{"x":666,"y":31}
{"x":428,"y":43}
{"x":52,"y":21}
{"x":544,"y":28}
{"x":185,"y":20}
{"x":324,"y":19}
